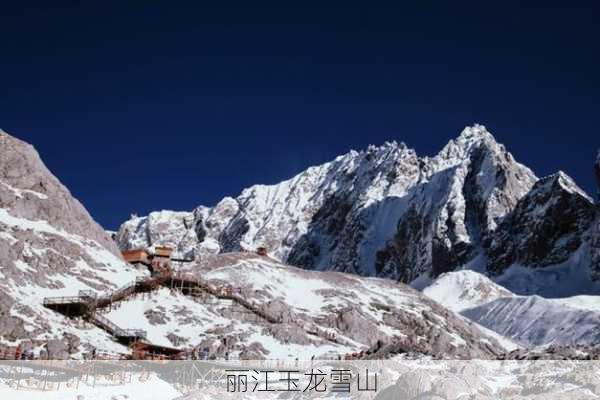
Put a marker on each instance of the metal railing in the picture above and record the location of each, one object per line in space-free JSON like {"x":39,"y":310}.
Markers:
{"x":226,"y":293}
{"x":64,"y":300}
{"x":126,"y":288}
{"x":88,"y":294}
{"x":104,"y":355}
{"x":134,"y":333}
{"x":8,"y":353}
{"x":117,"y":331}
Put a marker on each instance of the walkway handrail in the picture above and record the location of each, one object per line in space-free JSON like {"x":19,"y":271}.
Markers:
{"x":138,"y":333}
{"x":8,"y":353}
{"x":118,"y":331}
{"x":193,"y":279}
{"x":64,"y":300}
{"x":88,"y":294}
{"x":123,"y":289}
{"x":108,"y":325}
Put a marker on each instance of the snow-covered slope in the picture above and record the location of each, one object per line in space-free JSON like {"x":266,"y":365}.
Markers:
{"x":464,"y":289}
{"x":380,"y":212}
{"x":546,"y":227}
{"x":359,"y":311}
{"x":49,"y":246}
{"x":595,"y":234}
{"x":527,"y":320}
{"x":585,"y":303}
{"x":535,"y":321}
{"x":387,"y":212}
{"x":316,"y":314}
{"x":174,"y":320}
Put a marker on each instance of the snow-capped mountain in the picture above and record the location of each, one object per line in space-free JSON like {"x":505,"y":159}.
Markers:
{"x":51,"y":247}
{"x":545,"y":228}
{"x":387,"y":212}
{"x":460,"y":290}
{"x":383,"y":212}
{"x":529,"y":321}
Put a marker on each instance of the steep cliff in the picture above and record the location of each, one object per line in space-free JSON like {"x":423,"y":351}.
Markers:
{"x":49,"y":246}
{"x":381,"y":212}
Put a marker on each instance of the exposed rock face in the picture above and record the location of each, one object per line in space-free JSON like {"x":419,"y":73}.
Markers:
{"x":49,"y":246}
{"x":390,"y":213}
{"x":595,"y":252}
{"x":381,"y":212}
{"x":595,"y":245}
{"x":31,"y":192}
{"x":356,"y":310}
{"x":546,"y":227}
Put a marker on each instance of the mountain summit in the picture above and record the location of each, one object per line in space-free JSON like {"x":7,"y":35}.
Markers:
{"x":66,"y":291}
{"x":388,"y":212}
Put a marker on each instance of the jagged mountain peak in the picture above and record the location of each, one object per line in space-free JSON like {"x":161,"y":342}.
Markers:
{"x":477,"y":150}
{"x":563,"y":181}
{"x":476,"y":132}
{"x":548,"y":226}
{"x":478,"y":138}
{"x":386,"y":211}
{"x":474,"y":135}
{"x":353,"y":213}
{"x":374,"y":156}
{"x":470,"y":137}
{"x":387,"y":147}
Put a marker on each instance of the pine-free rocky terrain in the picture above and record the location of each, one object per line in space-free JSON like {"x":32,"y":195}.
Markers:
{"x":466,"y":254}
{"x":389,"y":213}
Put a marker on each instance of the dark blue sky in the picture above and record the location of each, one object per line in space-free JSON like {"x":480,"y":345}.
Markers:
{"x":140,"y":105}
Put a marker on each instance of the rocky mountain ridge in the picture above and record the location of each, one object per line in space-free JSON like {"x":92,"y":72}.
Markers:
{"x":50,"y":247}
{"x":387,"y":212}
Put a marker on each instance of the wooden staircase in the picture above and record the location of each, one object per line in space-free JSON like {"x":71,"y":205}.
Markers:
{"x":126,"y":336}
{"x":188,"y":281}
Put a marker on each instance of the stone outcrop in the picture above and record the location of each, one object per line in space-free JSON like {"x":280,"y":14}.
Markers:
{"x":545,"y":228}
{"x":49,"y":245}
{"x":30,"y":191}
